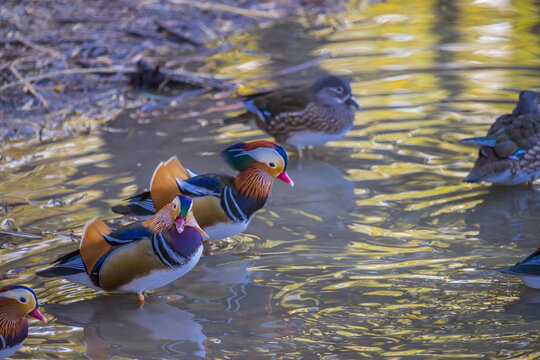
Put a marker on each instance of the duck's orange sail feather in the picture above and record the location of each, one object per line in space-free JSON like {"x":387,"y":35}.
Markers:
{"x":176,"y":168}
{"x":93,"y":245}
{"x":163,"y":187}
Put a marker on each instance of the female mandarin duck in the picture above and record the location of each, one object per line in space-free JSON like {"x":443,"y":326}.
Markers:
{"x":223,"y":205}
{"x":510,"y":152}
{"x":137,"y":257}
{"x":15,"y":303}
{"x":528,"y":269}
{"x":305,"y":116}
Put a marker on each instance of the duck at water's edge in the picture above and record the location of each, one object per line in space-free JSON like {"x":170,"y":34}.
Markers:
{"x":510,"y":152}
{"x":303,"y":116}
{"x":141,"y":256}
{"x":528,"y":269}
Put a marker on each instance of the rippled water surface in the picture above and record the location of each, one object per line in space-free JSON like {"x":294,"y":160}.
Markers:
{"x":379,"y":251}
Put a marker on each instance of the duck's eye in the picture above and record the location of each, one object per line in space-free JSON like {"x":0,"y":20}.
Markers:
{"x":482,"y":151}
{"x":271,"y":164}
{"x":175,"y":205}
{"x":339,"y":89}
{"x":23,"y":299}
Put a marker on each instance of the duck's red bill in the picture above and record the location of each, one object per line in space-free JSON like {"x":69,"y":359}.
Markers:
{"x":37,"y":314}
{"x":285,"y":178}
{"x":180,"y":222}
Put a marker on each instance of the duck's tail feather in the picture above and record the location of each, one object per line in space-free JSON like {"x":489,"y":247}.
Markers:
{"x":68,"y":264}
{"x":483,"y":140}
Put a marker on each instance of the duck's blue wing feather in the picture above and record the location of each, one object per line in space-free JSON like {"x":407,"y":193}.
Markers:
{"x":204,"y":185}
{"x":138,"y":205}
{"x":529,"y":265}
{"x":128,"y":234}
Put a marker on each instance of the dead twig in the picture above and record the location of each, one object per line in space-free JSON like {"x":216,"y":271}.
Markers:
{"x":21,"y":234}
{"x":181,"y":37}
{"x":66,"y":110}
{"x":81,"y":19}
{"x":70,"y":236}
{"x":53,"y":74}
{"x":55,"y":54}
{"x":178,"y":75}
{"x":149,"y":107}
{"x":205,"y":6}
{"x":28,"y":86}
{"x":195,"y":79}
{"x":295,"y":68}
{"x":199,"y":57}
{"x":54,"y":39}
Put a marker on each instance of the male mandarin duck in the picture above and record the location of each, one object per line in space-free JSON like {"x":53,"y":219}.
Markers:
{"x":16,"y":302}
{"x":510,"y":152}
{"x":528,"y":269}
{"x":222,"y":204}
{"x":305,"y":116}
{"x":138,"y":257}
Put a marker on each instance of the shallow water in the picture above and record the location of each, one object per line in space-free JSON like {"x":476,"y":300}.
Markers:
{"x":379,"y":251}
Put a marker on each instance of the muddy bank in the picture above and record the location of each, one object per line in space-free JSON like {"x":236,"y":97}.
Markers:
{"x":63,"y":61}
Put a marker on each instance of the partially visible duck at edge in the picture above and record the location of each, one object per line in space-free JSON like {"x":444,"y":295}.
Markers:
{"x":16,"y":302}
{"x":510,"y":152}
{"x":527,"y":269}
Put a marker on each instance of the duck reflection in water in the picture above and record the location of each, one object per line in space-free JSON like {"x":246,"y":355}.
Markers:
{"x":238,"y":304}
{"x":321,"y":190}
{"x":160,"y":329}
{"x":507,"y":215}
{"x":527,"y":306}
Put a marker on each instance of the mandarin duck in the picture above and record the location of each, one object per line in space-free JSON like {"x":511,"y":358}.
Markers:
{"x":528,"y":269}
{"x":141,"y":256}
{"x":222,"y":204}
{"x":510,"y":152}
{"x":303,"y":116}
{"x":16,"y":302}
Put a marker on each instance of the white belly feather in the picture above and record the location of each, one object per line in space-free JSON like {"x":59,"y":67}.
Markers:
{"x":224,"y":230}
{"x":158,"y":279}
{"x":312,"y":138}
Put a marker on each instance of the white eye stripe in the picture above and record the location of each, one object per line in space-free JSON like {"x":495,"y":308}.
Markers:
{"x":18,"y":294}
{"x":266,"y":155}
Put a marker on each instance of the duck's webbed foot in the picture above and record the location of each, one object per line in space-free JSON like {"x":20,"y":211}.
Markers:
{"x":140,"y":300}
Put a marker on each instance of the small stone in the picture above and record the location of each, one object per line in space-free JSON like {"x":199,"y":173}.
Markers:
{"x":7,"y":223}
{"x":26,"y":131}
{"x":14,"y":271}
{"x":55,"y":202}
